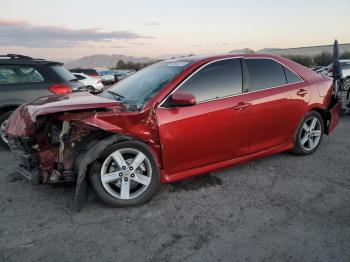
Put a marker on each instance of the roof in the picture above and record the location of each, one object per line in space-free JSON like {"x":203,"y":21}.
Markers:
{"x":204,"y":58}
{"x":198,"y":61}
{"x":15,"y":59}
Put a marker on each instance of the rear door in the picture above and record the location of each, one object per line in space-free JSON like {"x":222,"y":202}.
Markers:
{"x":278,"y":99}
{"x":214,"y":129}
{"x":19,"y":84}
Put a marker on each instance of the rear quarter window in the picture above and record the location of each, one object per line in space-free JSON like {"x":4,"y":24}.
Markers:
{"x":19,"y":75}
{"x":291,"y":77}
{"x":63,"y":73}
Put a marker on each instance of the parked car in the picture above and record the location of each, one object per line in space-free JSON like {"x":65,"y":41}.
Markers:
{"x":107,"y":76}
{"x":345,"y":65}
{"x":122,"y":73}
{"x":328,"y":70}
{"x":88,"y":71}
{"x":23,"y":78}
{"x":91,"y":83}
{"x":172,"y":120}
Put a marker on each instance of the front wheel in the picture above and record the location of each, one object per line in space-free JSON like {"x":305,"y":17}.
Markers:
{"x":309,"y":134}
{"x":127,"y":174}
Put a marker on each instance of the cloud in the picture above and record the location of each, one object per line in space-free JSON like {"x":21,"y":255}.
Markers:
{"x":21,"y":33}
{"x":153,"y":23}
{"x":140,"y":43}
{"x":108,"y":46}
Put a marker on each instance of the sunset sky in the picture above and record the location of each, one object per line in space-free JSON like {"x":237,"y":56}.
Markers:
{"x":72,"y":29}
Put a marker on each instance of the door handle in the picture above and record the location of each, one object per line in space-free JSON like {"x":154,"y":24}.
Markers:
{"x":241,"y":106}
{"x":302,"y":92}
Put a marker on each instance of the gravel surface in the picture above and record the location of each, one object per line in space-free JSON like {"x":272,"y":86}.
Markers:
{"x":279,"y":208}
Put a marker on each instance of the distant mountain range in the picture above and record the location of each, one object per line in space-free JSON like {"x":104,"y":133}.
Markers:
{"x":110,"y":61}
{"x":242,"y":51}
{"x":94,"y":61}
{"x":248,"y":50}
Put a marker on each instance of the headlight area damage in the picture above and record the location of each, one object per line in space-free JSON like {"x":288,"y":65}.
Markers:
{"x":56,"y":144}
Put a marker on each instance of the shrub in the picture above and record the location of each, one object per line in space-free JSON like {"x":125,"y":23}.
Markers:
{"x":300,"y":59}
{"x":323,"y":59}
{"x":345,"y":55}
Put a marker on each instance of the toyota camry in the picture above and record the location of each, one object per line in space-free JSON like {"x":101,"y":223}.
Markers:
{"x":170,"y":121}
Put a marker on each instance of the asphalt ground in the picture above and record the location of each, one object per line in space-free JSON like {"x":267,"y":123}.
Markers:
{"x":279,"y":208}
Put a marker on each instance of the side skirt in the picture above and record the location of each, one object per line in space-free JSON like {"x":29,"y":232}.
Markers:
{"x":205,"y":169}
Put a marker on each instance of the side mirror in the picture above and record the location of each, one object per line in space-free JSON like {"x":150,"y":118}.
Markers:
{"x":180,"y":98}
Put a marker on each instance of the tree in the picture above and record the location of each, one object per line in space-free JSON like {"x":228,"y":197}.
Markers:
{"x":121,"y":64}
{"x":132,"y":65}
{"x":323,"y":59}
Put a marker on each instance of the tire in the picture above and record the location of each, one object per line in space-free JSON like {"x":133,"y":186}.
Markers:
{"x":3,"y":118}
{"x":346,"y":84}
{"x":111,"y":193}
{"x":307,"y":141}
{"x":90,"y":89}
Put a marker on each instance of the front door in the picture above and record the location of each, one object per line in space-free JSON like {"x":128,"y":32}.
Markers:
{"x":215,"y":129}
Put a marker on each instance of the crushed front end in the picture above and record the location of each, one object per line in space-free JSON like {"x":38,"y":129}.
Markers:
{"x":50,"y":154}
{"x":51,"y":137}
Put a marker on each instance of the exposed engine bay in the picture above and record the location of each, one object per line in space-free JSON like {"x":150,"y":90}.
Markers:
{"x":51,"y":147}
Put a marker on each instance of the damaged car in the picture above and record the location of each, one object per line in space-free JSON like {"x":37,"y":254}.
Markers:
{"x":170,"y":121}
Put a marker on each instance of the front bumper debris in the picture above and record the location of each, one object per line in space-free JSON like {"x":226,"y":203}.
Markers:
{"x":28,"y":161}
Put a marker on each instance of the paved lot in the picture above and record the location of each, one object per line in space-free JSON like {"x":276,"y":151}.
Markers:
{"x":280,"y":208}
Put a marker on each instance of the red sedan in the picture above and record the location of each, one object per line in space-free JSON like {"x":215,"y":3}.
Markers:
{"x":170,"y":121}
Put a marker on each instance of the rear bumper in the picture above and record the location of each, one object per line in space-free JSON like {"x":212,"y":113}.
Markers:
{"x":333,"y":117}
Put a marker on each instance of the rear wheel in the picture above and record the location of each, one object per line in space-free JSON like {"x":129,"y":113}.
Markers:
{"x":90,"y":89}
{"x":346,"y":84}
{"x":309,"y":134}
{"x":3,"y":121}
{"x":126,"y":176}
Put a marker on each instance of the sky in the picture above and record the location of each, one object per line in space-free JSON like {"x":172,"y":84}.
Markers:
{"x":68,"y":29}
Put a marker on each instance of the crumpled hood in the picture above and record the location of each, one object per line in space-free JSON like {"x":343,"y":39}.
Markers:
{"x":21,"y":122}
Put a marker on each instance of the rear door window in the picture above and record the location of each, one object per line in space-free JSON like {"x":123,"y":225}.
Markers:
{"x":217,"y":80}
{"x":19,"y":75}
{"x":264,"y":73}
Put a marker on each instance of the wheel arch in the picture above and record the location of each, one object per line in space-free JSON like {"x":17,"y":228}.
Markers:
{"x":92,"y":153}
{"x":325,"y":117}
{"x":7,"y":108}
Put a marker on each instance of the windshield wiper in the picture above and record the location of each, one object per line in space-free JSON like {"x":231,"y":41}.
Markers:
{"x":116,"y":95}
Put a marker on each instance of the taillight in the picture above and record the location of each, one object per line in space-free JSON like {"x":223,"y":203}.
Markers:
{"x":60,"y":89}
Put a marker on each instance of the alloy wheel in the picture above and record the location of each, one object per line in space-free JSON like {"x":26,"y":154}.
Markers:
{"x":126,"y":173}
{"x":2,"y":132}
{"x":310,"y":135}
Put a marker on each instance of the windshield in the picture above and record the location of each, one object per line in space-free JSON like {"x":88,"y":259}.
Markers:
{"x":138,"y":88}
